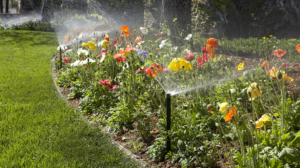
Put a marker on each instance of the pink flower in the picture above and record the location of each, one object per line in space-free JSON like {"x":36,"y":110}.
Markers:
{"x":204,"y":49}
{"x":159,"y":35}
{"x":99,"y":56}
{"x":106,"y":81}
{"x":137,"y":71}
{"x":185,"y":57}
{"x":188,"y":52}
{"x":190,"y":57}
{"x":202,"y":60}
{"x":104,"y":51}
{"x":123,"y":59}
{"x":116,"y":42}
{"x":138,"y":39}
{"x":101,"y":82}
{"x":279,"y":53}
{"x":166,"y":70}
{"x":284,"y":65}
{"x":111,"y":87}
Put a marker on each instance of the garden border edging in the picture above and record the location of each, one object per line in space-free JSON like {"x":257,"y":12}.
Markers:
{"x":122,"y":148}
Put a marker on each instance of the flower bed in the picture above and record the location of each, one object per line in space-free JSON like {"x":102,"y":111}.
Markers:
{"x":225,"y":110}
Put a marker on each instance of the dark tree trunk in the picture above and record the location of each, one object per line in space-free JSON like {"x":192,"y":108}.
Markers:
{"x":180,"y":9}
{"x":47,"y":11}
{"x":257,"y":17}
{"x":127,"y":12}
{"x":34,"y":4}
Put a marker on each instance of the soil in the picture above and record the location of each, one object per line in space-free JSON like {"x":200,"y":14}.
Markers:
{"x":123,"y":137}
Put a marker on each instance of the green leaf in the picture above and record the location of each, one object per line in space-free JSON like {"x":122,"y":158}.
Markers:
{"x":285,"y":136}
{"x":290,"y":154}
{"x":296,"y":141}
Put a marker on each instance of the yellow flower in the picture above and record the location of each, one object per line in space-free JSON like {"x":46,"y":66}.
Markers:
{"x":264,"y":38}
{"x":126,"y":53}
{"x":91,"y":45}
{"x":271,"y":36}
{"x":104,"y":43}
{"x":262,"y":121}
{"x":240,"y":67}
{"x":85,"y":45}
{"x":185,"y":64}
{"x":273,"y":73}
{"x":175,"y":65}
{"x":255,"y":92}
{"x":224,"y":108}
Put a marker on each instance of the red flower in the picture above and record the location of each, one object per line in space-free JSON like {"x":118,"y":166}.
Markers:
{"x":116,"y":42}
{"x":279,"y":53}
{"x":137,"y":71}
{"x":106,"y":81}
{"x":85,"y":66}
{"x":66,"y":60}
{"x":130,"y":49}
{"x":99,"y":56}
{"x":284,"y":65}
{"x":111,"y":87}
{"x":82,"y":58}
{"x":153,"y":69}
{"x":123,"y":59}
{"x":104,"y":51}
{"x":138,"y":39}
{"x":159,"y":35}
{"x":101,"y":82}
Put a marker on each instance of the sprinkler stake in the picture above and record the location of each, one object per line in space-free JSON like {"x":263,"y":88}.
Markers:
{"x":168,"y":122}
{"x":60,"y":58}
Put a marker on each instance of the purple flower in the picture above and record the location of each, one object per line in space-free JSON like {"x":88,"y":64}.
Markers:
{"x":141,"y":52}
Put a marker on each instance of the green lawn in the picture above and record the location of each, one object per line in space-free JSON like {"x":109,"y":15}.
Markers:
{"x":38,"y":128}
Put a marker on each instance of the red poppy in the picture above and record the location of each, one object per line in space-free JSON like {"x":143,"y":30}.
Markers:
{"x":66,"y":60}
{"x":116,"y":42}
{"x":189,"y":57}
{"x":159,"y":35}
{"x":82,"y":58}
{"x":130,"y":48}
{"x":137,"y":71}
{"x":111,"y":87}
{"x":104,"y":51}
{"x":85,"y":66}
{"x":101,"y":82}
{"x":298,"y":48}
{"x":106,"y":81}
{"x":99,"y":56}
{"x":232,"y":112}
{"x":279,"y":53}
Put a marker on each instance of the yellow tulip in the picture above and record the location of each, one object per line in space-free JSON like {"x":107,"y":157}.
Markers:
{"x":104,"y":43}
{"x":175,"y":65}
{"x":85,"y":45}
{"x":240,"y":67}
{"x":224,"y":108}
{"x":261,"y":122}
{"x":255,"y":92}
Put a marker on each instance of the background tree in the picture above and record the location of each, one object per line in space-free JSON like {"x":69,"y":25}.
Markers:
{"x":255,"y":17}
{"x":181,"y":10}
{"x":47,"y":10}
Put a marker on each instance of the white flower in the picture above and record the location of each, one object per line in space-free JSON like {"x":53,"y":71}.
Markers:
{"x":125,"y":66}
{"x":188,"y":37}
{"x":88,"y":60}
{"x":144,"y":30}
{"x":76,"y":63}
{"x":103,"y":57}
{"x":69,"y":51}
{"x":81,"y":51}
{"x":174,"y":49}
{"x":63,"y":47}
{"x":162,"y":44}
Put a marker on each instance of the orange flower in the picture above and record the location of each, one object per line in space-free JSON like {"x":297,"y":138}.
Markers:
{"x":67,"y":38}
{"x":266,"y":65}
{"x":213,"y":42}
{"x":153,"y":69}
{"x":279,"y":53}
{"x":298,"y":48}
{"x":107,"y":37}
{"x":228,"y":116}
{"x":210,"y":50}
{"x":125,"y":30}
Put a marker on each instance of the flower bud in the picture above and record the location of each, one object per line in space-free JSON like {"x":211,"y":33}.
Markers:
{"x":217,"y":125}
{"x":232,"y":91}
{"x":209,"y":106}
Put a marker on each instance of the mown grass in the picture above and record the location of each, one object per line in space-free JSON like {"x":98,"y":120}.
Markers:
{"x":38,"y":128}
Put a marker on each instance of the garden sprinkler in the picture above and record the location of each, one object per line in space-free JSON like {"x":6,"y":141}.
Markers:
{"x":168,"y":122}
{"x":60,"y":58}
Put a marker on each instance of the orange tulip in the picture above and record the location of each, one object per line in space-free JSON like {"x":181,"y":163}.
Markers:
{"x":298,"y":48}
{"x":213,"y":42}
{"x":125,"y":30}
{"x":210,"y":50}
